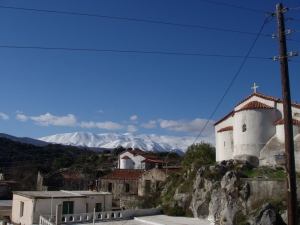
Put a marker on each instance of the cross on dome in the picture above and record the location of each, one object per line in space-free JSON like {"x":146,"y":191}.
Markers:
{"x":255,"y":87}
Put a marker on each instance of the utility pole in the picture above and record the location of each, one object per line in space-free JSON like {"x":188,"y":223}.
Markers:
{"x":288,"y":125}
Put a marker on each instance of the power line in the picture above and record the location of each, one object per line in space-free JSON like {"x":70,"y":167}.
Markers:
{"x":128,"y":51}
{"x":130,"y":19}
{"x":292,"y":40}
{"x":247,"y":56}
{"x":234,"y":6}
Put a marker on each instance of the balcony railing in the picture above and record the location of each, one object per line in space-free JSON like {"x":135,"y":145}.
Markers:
{"x":89,"y":217}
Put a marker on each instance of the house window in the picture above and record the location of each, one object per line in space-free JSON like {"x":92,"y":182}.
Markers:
{"x":244,"y":127}
{"x":157,"y":184}
{"x":98,"y":207}
{"x":68,"y":207}
{"x":148,"y":186}
{"x":86,"y":207}
{"x":126,"y":187}
{"x":21,"y":209}
{"x":109,"y":187}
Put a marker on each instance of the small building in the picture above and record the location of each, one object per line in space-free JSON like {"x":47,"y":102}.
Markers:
{"x":150,"y":180}
{"x":120,"y":183}
{"x":62,"y":179}
{"x":27,"y":206}
{"x":253,"y":130}
{"x":137,"y":159}
{"x":5,"y":209}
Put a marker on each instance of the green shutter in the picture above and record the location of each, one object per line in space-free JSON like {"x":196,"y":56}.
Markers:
{"x":68,"y":207}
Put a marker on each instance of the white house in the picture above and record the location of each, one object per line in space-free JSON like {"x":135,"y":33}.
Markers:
{"x":28,"y":206}
{"x":254,"y":130}
{"x":137,"y":159}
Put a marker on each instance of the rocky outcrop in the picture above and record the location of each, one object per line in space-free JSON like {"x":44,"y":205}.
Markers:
{"x":229,"y":198}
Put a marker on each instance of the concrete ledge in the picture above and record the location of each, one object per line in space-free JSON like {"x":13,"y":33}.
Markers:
{"x":146,"y":221}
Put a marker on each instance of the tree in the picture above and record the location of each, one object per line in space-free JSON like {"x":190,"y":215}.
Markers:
{"x":118,"y":150}
{"x":199,"y":154}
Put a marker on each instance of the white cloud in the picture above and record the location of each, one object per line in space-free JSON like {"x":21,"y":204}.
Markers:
{"x":4,"y":116}
{"x":131,"y":129}
{"x":149,"y":125}
{"x":133,"y":118}
{"x":100,"y":111}
{"x":192,"y":126}
{"x":21,"y":117}
{"x":48,"y":119}
{"x":107,"y":125}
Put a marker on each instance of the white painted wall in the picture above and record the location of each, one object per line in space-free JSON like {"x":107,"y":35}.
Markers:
{"x":126,"y":164}
{"x":135,"y":162}
{"x":33,"y":208}
{"x":259,"y":129}
{"x":219,"y":143}
{"x":225,"y":146}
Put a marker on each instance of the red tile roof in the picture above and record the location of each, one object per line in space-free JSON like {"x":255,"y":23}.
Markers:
{"x":125,"y":157}
{"x":153,"y":161}
{"x":139,"y":152}
{"x":225,"y":129}
{"x":224,"y":118}
{"x":254,"y":105}
{"x":124,"y":175}
{"x":266,"y":97}
{"x":261,"y":96}
{"x":294,"y":121}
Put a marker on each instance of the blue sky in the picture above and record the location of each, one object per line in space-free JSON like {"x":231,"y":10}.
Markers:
{"x":46,"y":92}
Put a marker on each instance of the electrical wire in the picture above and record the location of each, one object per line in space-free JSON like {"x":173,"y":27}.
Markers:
{"x":128,"y":51}
{"x":292,"y":40}
{"x":130,"y":19}
{"x":234,"y":6}
{"x":234,"y":78}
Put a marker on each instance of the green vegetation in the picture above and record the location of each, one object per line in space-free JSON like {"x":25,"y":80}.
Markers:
{"x":240,"y":219}
{"x":198,"y":155}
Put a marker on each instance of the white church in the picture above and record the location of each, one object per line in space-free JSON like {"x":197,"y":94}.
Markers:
{"x":254,"y":130}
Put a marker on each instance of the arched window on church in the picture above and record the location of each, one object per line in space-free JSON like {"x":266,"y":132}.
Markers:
{"x":244,"y":127}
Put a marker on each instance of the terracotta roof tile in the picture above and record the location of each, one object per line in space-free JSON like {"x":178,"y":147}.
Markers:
{"x":124,"y":175}
{"x":153,"y":161}
{"x":280,"y":122}
{"x":225,"y":129}
{"x":254,"y":105}
{"x":225,"y":117}
{"x":294,"y":104}
{"x":261,"y":96}
{"x":139,"y":152}
{"x":125,"y":157}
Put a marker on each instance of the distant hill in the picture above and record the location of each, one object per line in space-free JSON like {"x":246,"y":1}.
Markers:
{"x":26,"y":140}
{"x":29,"y":154}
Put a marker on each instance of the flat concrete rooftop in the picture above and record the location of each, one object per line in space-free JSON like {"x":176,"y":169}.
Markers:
{"x":157,"y":220}
{"x":58,"y":194}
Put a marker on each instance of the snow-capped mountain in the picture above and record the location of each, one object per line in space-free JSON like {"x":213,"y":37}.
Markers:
{"x":146,"y":142}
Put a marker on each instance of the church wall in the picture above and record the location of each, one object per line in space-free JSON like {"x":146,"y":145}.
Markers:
{"x":126,"y":164}
{"x":255,"y":98}
{"x":258,"y":129}
{"x":134,"y":163}
{"x":225,"y":147}
{"x":275,"y":145}
{"x":219,"y":144}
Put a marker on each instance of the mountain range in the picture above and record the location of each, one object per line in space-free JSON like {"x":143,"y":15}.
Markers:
{"x":146,"y":142}
{"x":98,"y":142}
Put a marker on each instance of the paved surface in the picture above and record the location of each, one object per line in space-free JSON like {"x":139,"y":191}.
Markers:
{"x":158,"y":220}
{"x":166,"y":220}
